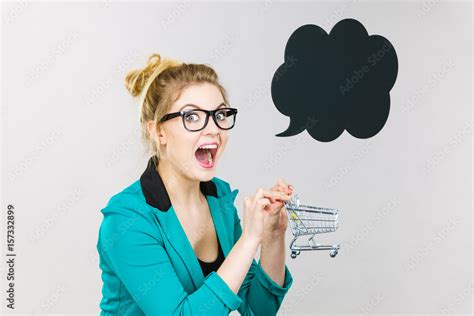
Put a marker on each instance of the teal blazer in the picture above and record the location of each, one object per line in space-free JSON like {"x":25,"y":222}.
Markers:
{"x":149,"y":266}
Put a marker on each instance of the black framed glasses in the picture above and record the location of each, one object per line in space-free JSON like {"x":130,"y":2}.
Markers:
{"x":196,"y":119}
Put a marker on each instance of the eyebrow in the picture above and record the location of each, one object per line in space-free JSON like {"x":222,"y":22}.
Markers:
{"x":198,"y":107}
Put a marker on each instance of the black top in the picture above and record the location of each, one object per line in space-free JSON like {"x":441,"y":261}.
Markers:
{"x":207,"y":267}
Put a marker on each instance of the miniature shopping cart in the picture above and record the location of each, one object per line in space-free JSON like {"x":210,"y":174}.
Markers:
{"x":307,"y":221}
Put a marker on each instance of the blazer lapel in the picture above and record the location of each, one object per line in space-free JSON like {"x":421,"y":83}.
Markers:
{"x":179,"y":241}
{"x":219,"y":208}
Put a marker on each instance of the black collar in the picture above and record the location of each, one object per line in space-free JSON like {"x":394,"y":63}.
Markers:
{"x":155,"y":191}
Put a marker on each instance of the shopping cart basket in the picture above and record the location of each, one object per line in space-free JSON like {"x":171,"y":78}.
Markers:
{"x":306,"y":221}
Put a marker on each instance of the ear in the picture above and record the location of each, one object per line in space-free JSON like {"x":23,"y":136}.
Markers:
{"x":157,"y":132}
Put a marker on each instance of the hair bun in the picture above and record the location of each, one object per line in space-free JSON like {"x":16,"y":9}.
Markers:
{"x":135,"y":80}
{"x":153,"y":62}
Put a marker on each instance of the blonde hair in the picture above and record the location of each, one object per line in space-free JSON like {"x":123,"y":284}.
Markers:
{"x":159,"y":84}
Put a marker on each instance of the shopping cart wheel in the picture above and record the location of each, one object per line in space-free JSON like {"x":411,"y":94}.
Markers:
{"x":293,"y":255}
{"x":333,"y":253}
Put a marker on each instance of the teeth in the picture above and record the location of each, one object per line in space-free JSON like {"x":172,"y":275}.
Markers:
{"x":208,"y":146}
{"x":209,"y":157}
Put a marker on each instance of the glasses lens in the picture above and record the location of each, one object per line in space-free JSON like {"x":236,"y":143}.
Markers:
{"x":194,"y":119}
{"x":225,"y":118}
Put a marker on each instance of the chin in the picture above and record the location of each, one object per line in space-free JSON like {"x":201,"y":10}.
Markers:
{"x":206,"y":174}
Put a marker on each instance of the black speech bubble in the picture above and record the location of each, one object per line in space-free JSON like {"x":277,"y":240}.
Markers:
{"x":333,"y":82}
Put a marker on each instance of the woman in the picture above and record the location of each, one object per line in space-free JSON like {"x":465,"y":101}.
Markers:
{"x":172,"y":241}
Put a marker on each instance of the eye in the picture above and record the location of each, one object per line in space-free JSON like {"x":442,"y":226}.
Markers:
{"x":192,"y":117}
{"x":221,"y":115}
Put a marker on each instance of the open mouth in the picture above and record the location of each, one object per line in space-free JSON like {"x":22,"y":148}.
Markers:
{"x":206,"y":154}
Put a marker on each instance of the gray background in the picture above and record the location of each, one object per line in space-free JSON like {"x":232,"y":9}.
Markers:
{"x":71,"y":140}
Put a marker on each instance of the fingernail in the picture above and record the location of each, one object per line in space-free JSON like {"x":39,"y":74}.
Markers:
{"x":290,"y":186}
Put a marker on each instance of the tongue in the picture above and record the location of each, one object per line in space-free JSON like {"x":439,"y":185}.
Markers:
{"x":201,"y":155}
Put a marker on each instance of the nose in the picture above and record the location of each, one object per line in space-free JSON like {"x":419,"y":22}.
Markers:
{"x":211,"y":127}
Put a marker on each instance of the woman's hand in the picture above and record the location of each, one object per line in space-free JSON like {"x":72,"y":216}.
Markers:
{"x":276,"y":222}
{"x":260,"y":211}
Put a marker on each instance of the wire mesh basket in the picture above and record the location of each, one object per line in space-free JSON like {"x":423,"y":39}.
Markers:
{"x":307,"y":221}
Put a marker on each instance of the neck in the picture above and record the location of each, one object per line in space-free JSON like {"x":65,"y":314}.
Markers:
{"x":182,"y":191}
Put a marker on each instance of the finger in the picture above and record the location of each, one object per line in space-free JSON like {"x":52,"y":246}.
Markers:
{"x":282,"y":182}
{"x":280,"y":185}
{"x":260,"y":194}
{"x":281,"y":194}
{"x":247,"y":200}
{"x":272,"y":195}
{"x":275,"y":187}
{"x":274,"y":210}
{"x":284,"y":186}
{"x":279,"y":182}
{"x":262,"y":203}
